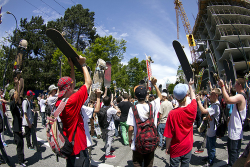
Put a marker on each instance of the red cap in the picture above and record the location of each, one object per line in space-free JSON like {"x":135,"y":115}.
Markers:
{"x":30,"y":93}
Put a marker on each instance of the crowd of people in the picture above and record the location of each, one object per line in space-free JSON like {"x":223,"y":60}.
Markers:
{"x":169,"y":118}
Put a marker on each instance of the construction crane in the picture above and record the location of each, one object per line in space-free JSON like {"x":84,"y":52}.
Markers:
{"x":181,"y":12}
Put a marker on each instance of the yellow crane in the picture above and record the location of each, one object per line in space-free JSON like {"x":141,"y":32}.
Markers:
{"x":181,"y":12}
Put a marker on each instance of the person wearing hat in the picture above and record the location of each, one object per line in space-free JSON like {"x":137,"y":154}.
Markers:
{"x":51,"y":100}
{"x":213,"y":116}
{"x":143,"y":112}
{"x":179,"y":126}
{"x":166,"y":107}
{"x":28,"y":117}
{"x":71,"y":117}
{"x":17,"y":127}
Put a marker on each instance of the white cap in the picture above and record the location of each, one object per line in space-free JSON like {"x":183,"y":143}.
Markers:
{"x":52,"y":87}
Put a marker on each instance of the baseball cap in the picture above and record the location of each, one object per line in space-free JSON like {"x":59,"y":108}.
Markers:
{"x":164,"y":94}
{"x":11,"y":93}
{"x":216,"y":91}
{"x":140,"y":92}
{"x":180,"y":91}
{"x":52,"y":87}
{"x":63,"y":85}
{"x":30,"y":93}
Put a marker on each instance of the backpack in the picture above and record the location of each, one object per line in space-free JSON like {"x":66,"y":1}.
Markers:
{"x":147,"y":138}
{"x":221,"y":124}
{"x":58,"y":142}
{"x":102,"y":118}
{"x":246,"y":124}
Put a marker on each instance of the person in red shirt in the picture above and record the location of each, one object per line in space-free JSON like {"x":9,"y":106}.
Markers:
{"x":179,"y":126}
{"x":71,"y":118}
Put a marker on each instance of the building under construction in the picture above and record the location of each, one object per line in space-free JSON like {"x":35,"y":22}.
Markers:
{"x":222,"y":32}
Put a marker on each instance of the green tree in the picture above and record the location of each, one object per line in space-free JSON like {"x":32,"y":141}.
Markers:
{"x":180,"y":76}
{"x":171,"y":88}
{"x":79,"y":26}
{"x":136,"y":71}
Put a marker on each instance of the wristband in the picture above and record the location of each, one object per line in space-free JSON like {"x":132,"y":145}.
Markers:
{"x":84,"y":65}
{"x":222,"y":86}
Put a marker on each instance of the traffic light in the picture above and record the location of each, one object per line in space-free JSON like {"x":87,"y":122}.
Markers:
{"x":190,"y":39}
{"x":1,"y":15}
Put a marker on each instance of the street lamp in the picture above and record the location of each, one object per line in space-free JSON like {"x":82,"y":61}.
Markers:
{"x":10,"y":48}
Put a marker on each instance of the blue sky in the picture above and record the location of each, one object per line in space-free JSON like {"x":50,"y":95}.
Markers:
{"x":148,"y":26}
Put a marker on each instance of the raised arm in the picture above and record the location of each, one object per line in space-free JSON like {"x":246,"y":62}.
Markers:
{"x":192,"y":95}
{"x":82,"y":62}
{"x":72,"y":71}
{"x":98,"y":95}
{"x":154,"y":81}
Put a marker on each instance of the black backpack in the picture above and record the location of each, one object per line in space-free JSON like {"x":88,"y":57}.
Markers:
{"x":102,"y":118}
{"x":221,"y":124}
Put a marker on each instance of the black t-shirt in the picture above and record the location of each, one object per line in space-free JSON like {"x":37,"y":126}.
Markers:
{"x":124,"y":107}
{"x":16,"y":114}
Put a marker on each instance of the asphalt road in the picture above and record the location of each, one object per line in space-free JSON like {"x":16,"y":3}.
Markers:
{"x":45,"y":157}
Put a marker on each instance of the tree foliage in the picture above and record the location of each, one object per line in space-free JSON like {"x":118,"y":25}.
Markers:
{"x":41,"y":63}
{"x":180,"y":76}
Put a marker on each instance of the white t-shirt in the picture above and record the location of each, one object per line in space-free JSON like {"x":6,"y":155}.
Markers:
{"x":87,"y":113}
{"x":27,"y":109}
{"x":234,"y":126}
{"x":214,"y":112}
{"x":42,"y":105}
{"x":143,"y":112}
{"x":111,"y":111}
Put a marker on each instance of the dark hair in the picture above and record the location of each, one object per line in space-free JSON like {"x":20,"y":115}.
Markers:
{"x":233,"y":91}
{"x":106,"y":100}
{"x":241,"y":81}
{"x":125,"y":96}
{"x":119,"y":99}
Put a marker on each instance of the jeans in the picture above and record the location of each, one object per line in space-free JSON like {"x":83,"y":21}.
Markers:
{"x":211,"y":149}
{"x":138,"y":158}
{"x":27,"y":135}
{"x":18,"y":137}
{"x":7,"y":125}
{"x":124,"y":128}
{"x":161,"y":128}
{"x":234,"y":147}
{"x":184,"y":159}
{"x":43,"y":118}
{"x":109,"y":140}
{"x":4,"y":155}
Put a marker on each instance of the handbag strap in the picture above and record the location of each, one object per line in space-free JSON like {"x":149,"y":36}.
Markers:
{"x":243,"y":94}
{"x":61,"y":107}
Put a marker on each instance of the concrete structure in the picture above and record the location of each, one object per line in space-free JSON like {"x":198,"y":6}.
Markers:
{"x":226,"y":25}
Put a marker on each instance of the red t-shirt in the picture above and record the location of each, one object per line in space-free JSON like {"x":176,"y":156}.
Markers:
{"x":72,"y":119}
{"x":179,"y":127}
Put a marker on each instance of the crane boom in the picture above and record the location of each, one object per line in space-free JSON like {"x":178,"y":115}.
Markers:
{"x":179,"y":9}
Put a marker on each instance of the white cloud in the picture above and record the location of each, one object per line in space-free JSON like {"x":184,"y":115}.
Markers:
{"x":46,"y":12}
{"x":124,"y":62}
{"x":134,"y":54}
{"x":4,"y":2}
{"x":104,"y":32}
{"x":163,"y":73}
{"x":155,"y":46}
{"x":124,"y":35}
